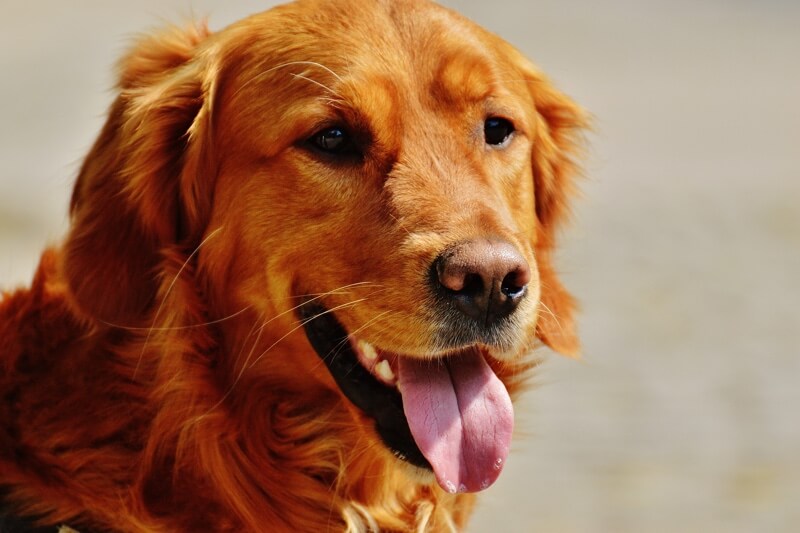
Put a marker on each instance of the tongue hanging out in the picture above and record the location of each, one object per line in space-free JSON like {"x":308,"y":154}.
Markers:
{"x":461,"y":417}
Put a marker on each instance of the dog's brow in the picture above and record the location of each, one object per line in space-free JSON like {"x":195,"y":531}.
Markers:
{"x":315,"y":82}
{"x":261,"y":75}
{"x":464,"y":79}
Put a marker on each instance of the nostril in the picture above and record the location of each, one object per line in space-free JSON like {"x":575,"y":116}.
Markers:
{"x":514,"y":283}
{"x":452,"y":279}
{"x":459,"y":276}
{"x":511,"y":285}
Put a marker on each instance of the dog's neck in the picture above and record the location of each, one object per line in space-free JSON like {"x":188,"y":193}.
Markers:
{"x":168,"y":431}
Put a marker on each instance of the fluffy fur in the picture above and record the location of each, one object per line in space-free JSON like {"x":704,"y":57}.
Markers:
{"x":155,"y":376}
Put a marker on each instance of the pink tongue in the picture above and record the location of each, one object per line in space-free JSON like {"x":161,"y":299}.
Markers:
{"x":461,"y":417}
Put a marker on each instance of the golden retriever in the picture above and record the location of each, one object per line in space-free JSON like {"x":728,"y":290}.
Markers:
{"x":309,"y":258}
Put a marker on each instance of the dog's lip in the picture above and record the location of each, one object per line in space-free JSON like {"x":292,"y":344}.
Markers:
{"x":380,"y":401}
{"x":455,"y":415}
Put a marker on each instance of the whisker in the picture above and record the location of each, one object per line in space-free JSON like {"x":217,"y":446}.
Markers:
{"x":315,"y":82}
{"x":302,"y":324}
{"x":370,"y":322}
{"x":177,"y":328}
{"x":337,"y":291}
{"x":337,"y":349}
{"x":551,"y":313}
{"x":315,"y":64}
{"x":400,"y":224}
{"x":317,"y":297}
{"x":166,"y":295}
{"x":245,"y":365}
{"x":253,"y":329}
{"x":259,"y":331}
{"x":284,"y":65}
{"x":333,"y":102}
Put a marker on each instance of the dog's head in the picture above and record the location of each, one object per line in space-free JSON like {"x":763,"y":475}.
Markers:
{"x":379,"y":181}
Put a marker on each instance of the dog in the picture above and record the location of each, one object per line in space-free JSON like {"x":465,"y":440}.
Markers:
{"x":309,"y":259}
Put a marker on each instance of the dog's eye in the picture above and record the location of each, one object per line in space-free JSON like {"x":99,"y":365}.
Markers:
{"x":497,"y":130}
{"x":334,"y":141}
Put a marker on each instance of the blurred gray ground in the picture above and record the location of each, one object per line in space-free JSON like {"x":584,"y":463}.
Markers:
{"x":682,"y":416}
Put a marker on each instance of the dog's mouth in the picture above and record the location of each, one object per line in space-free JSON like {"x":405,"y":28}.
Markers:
{"x":449,"y":414}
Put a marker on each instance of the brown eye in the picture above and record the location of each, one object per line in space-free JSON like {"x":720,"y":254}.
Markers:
{"x":334,"y":141}
{"x":497,"y":130}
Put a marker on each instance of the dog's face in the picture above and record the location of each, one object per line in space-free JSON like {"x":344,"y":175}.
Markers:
{"x":378,"y":186}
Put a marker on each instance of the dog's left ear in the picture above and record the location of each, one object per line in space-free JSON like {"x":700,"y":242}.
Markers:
{"x":557,"y":141}
{"x":143,"y":187}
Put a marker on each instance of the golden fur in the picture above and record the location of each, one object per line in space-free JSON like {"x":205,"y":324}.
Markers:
{"x":155,"y":377}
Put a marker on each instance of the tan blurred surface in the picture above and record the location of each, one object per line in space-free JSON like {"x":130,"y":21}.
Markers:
{"x":683,"y":415}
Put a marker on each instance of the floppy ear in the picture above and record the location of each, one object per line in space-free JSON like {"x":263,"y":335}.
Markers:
{"x":139,"y":188}
{"x":557,"y":141}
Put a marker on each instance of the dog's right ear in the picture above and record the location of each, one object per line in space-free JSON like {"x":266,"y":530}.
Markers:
{"x":142,"y":186}
{"x":558,"y":140}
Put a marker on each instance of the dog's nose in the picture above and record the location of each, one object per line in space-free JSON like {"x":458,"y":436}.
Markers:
{"x":484,"y":279}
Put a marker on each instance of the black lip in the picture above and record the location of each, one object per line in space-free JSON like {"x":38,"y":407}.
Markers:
{"x":381,"y":403}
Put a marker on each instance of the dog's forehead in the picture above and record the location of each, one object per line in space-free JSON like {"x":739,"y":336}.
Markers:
{"x":298,"y":66}
{"x":350,"y":41}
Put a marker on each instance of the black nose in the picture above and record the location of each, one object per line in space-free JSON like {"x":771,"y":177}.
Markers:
{"x":484,"y":279}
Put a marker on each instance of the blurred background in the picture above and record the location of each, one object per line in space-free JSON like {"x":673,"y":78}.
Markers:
{"x":684,"y":413}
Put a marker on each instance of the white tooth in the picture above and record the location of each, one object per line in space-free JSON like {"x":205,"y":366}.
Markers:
{"x":368,"y":350}
{"x":384,"y":370}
